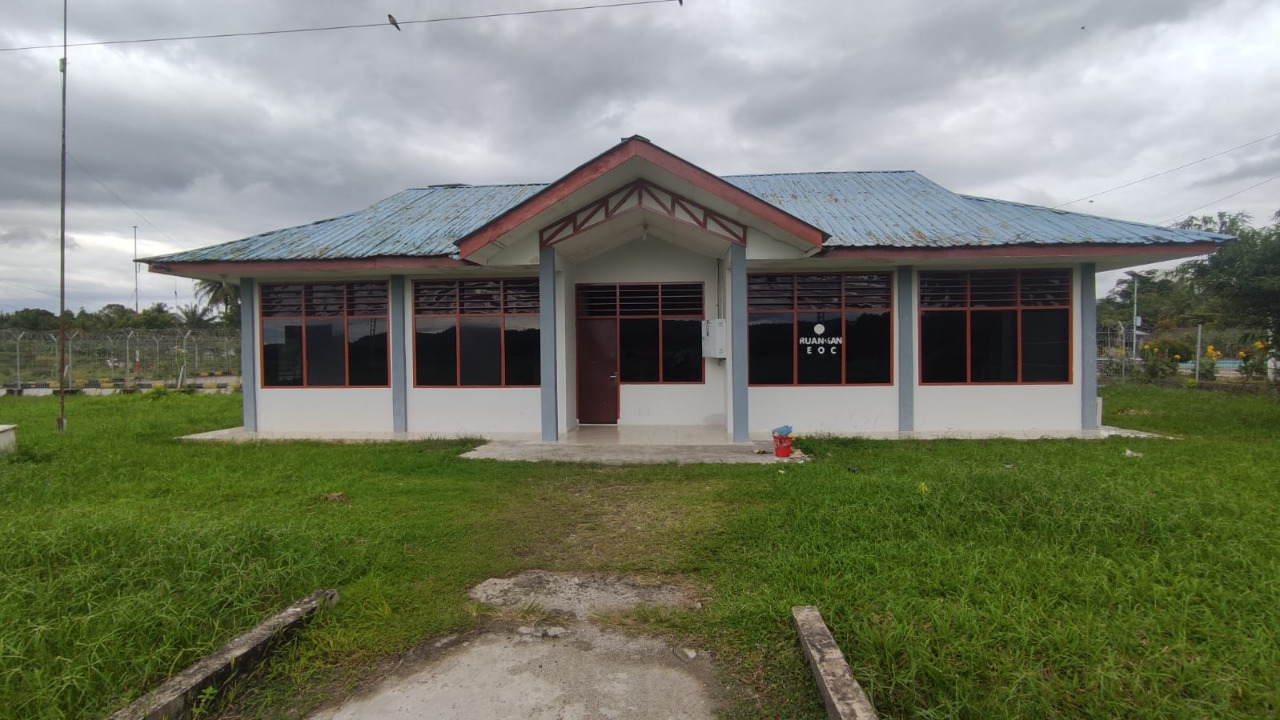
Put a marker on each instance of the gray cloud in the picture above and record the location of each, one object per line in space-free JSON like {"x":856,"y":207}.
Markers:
{"x":217,"y":139}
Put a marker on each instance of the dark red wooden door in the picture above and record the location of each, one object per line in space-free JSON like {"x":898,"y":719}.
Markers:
{"x":598,"y":371}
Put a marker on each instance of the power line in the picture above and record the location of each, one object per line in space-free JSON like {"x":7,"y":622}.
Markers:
{"x":1215,"y":202}
{"x":122,"y":202}
{"x":1166,"y":172}
{"x":361,"y":26}
{"x":1142,"y":180}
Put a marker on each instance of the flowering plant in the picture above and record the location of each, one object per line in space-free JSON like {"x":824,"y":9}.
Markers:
{"x":1158,"y":362}
{"x":1209,"y":363}
{"x":1253,"y":362}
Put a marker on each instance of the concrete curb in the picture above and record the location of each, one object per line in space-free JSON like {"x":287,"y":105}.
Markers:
{"x":173,"y":699}
{"x":841,"y":693}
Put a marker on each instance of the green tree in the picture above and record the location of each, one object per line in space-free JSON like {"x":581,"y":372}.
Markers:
{"x":156,"y":317}
{"x":1243,"y":275}
{"x":193,"y":316}
{"x":220,"y":296}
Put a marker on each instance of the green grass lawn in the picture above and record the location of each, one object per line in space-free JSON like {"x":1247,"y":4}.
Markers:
{"x":962,"y":579}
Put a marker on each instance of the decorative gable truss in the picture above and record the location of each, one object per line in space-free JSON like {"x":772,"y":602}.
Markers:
{"x":642,"y":195}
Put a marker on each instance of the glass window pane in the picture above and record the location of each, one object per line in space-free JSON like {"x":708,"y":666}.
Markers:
{"x":637,"y":299}
{"x":944,"y":289}
{"x":435,"y":351}
{"x":818,"y":292}
{"x":771,"y":292}
{"x":993,"y":337}
{"x":326,"y":352}
{"x":770,"y":349}
{"x":367,"y":351}
{"x":281,"y":353}
{"x":820,"y":348}
{"x":435,"y":298}
{"x":1046,"y":346}
{"x":480,"y":344}
{"x":993,"y":288}
{"x":942,"y":347}
{"x":868,"y":347}
{"x":639,"y":353}
{"x":281,"y":300}
{"x":480,"y":297}
{"x":597,"y":300}
{"x":682,"y":351}
{"x":325,"y":300}
{"x":1046,"y":287}
{"x":682,"y":299}
{"x":523,"y":351}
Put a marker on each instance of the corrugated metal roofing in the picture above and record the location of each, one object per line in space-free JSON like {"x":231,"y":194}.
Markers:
{"x":858,"y":209}
{"x":905,"y":209}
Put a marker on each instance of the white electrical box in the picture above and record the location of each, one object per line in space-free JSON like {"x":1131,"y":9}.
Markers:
{"x":714,"y":338}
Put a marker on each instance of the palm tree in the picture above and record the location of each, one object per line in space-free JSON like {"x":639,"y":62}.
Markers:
{"x":217,"y":294}
{"x":224,"y":296}
{"x":193,"y":316}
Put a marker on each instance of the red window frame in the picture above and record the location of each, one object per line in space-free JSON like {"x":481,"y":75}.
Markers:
{"x":580,"y":313}
{"x":511,"y":298}
{"x":879,"y":300}
{"x":1019,"y":305}
{"x":354,"y":307}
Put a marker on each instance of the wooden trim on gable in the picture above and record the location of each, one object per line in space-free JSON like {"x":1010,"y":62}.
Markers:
{"x":598,"y":167}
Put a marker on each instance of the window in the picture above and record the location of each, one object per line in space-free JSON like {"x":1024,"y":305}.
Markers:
{"x":476,"y":333}
{"x":659,"y":328}
{"x":997,"y":326}
{"x":832,"y":329}
{"x":324,"y":335}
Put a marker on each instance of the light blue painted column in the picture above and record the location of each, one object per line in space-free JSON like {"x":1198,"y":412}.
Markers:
{"x":399,"y":378}
{"x":906,"y":348}
{"x":738,"y":341}
{"x":1089,"y":348}
{"x":547,"y":342}
{"x":249,"y":353}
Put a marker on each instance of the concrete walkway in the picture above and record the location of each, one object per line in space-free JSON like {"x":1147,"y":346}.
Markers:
{"x":561,"y":667}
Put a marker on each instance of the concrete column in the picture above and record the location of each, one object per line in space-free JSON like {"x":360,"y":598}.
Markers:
{"x":1088,"y":348}
{"x":547,"y":342}
{"x":249,"y":353}
{"x":905,"y":312}
{"x":397,"y":327}
{"x":738,"y":341}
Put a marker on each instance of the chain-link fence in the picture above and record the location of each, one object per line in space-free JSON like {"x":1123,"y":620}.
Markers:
{"x":1228,"y":354}
{"x":30,"y":357}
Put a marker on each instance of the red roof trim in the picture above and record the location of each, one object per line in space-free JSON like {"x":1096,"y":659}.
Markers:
{"x":1031,"y":251}
{"x":300,"y":266}
{"x":636,"y":147}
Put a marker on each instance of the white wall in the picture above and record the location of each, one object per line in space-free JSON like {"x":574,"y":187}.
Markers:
{"x":654,"y":261}
{"x":474,"y":411}
{"x":323,"y":411}
{"x":1013,"y":409}
{"x":835,"y":410}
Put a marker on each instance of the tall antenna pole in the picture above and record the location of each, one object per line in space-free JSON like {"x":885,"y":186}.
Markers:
{"x":135,"y":270}
{"x":62,"y":244}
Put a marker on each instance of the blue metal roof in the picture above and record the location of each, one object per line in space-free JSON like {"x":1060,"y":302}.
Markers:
{"x":907,"y":210}
{"x":857,"y":209}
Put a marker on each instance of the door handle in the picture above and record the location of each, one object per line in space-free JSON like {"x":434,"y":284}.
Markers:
{"x":614,"y":378}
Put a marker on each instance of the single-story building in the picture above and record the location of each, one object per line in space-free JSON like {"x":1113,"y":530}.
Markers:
{"x":640,"y":289}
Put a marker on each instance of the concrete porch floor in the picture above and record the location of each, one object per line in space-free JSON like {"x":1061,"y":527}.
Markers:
{"x":625,"y":444}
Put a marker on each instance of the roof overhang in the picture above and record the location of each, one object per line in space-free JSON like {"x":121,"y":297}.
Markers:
{"x":1104,"y":256}
{"x":633,"y":160}
{"x":230,"y":270}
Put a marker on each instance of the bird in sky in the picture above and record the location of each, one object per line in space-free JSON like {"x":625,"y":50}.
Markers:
{"x":392,"y":19}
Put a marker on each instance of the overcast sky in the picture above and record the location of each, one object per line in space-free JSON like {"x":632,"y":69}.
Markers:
{"x":199,"y":142}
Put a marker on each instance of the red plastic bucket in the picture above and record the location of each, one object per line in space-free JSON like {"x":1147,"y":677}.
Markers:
{"x":782,"y":446}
